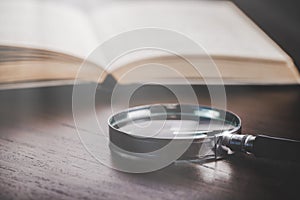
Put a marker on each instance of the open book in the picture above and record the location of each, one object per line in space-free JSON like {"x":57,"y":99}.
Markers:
{"x":44,"y":43}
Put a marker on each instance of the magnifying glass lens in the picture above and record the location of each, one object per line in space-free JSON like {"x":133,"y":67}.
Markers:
{"x":149,"y":128}
{"x":171,"y":128}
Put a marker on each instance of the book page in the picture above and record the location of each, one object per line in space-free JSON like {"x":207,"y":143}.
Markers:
{"x":219,"y":27}
{"x":46,"y":25}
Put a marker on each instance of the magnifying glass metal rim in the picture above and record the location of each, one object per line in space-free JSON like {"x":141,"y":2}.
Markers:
{"x":138,"y":144}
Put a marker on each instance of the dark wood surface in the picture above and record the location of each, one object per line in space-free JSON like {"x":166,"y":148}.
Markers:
{"x":41,"y":156}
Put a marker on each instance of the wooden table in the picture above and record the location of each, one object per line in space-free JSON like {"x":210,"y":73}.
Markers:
{"x":41,"y":156}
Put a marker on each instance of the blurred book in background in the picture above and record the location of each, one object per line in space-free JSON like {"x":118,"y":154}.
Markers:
{"x":44,"y":43}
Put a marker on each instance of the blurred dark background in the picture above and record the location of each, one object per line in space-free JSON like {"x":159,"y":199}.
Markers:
{"x":280,"y":19}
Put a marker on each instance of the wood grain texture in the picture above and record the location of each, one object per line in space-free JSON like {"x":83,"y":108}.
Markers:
{"x":41,"y":156}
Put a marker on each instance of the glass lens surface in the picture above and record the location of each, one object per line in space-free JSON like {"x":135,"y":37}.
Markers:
{"x":166,"y":126}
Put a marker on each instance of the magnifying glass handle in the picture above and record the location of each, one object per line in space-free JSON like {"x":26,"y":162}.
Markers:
{"x":264,"y":146}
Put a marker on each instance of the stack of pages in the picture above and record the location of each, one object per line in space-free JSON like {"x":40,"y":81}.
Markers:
{"x":44,"y":43}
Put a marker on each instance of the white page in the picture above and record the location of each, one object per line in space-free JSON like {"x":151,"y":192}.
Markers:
{"x":47,"y":25}
{"x":218,"y":26}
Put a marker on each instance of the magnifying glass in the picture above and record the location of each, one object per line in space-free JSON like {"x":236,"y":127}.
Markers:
{"x":213,"y":133}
